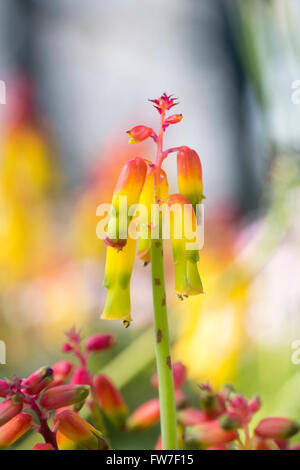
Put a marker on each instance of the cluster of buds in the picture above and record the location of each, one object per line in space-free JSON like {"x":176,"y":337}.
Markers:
{"x":62,"y":389}
{"x":222,"y":423}
{"x":143,"y":185}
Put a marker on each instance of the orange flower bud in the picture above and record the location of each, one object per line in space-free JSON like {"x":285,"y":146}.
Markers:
{"x":43,"y":447}
{"x":208,"y":434}
{"x":145,"y":415}
{"x":14,"y":429}
{"x":61,"y":372}
{"x":276,"y":428}
{"x":97,"y":343}
{"x":79,"y":431}
{"x":174,"y":119}
{"x":39,"y":380}
{"x":10,"y":408}
{"x":64,"y":395}
{"x":127,"y":192}
{"x":110,"y":400}
{"x":189,"y":175}
{"x":139,"y":133}
{"x":179,"y":375}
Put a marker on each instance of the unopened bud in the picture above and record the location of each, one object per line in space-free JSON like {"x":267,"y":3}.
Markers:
{"x":139,"y":133}
{"x":61,"y":372}
{"x":276,"y":428}
{"x":64,"y":395}
{"x":39,"y":380}
{"x":254,"y":404}
{"x":191,"y":417}
{"x":81,"y":376}
{"x":179,"y":375}
{"x":14,"y":429}
{"x":4,"y":388}
{"x":208,"y":434}
{"x":79,"y":431}
{"x":97,"y":343}
{"x":43,"y":447}
{"x":10,"y":408}
{"x":110,"y":400}
{"x":145,"y":415}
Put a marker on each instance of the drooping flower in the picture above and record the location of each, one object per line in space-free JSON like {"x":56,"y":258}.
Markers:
{"x":110,"y":400}
{"x":189,"y":175}
{"x":183,"y":231}
{"x":118,"y":269}
{"x":149,"y":196}
{"x":14,"y":429}
{"x":75,"y":428}
{"x":127,"y":192}
{"x":64,"y":395}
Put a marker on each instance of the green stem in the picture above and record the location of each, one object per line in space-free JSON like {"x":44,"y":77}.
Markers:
{"x":162,"y":349}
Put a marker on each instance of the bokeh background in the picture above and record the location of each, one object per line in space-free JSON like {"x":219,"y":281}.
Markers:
{"x":78,"y":75}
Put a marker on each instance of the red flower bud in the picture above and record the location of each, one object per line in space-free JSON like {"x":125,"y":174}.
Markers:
{"x":43,"y":447}
{"x":81,"y":376}
{"x":66,"y":347}
{"x":79,"y":431}
{"x":4,"y":388}
{"x":208,"y":434}
{"x":276,"y":428}
{"x":191,"y":417}
{"x":145,"y":415}
{"x":254,"y":404}
{"x":64,"y":395}
{"x":174,"y":119}
{"x":10,"y":408}
{"x":61,"y":371}
{"x":99,"y":342}
{"x":39,"y":380}
{"x":110,"y":400}
{"x":179,"y":375}
{"x":14,"y":429}
{"x":139,"y":133}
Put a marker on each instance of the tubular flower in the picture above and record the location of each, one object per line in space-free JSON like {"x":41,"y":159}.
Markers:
{"x":147,"y":198}
{"x":139,"y":133}
{"x":75,"y":428}
{"x":189,"y":175}
{"x":184,"y":243}
{"x":174,"y":119}
{"x":14,"y":429}
{"x":97,"y":343}
{"x":81,"y":376}
{"x":110,"y":400}
{"x":64,"y":395}
{"x":117,"y":277}
{"x":10,"y":408}
{"x":39,"y":380}
{"x":127,"y":192}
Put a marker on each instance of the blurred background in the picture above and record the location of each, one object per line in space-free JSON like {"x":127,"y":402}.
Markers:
{"x":78,"y":75}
